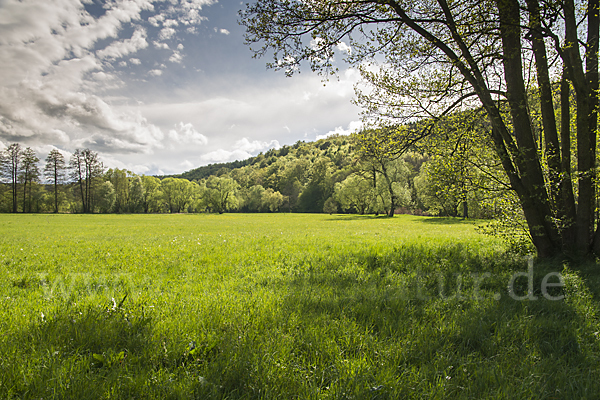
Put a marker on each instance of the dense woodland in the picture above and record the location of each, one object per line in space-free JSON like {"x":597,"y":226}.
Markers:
{"x":341,"y":174}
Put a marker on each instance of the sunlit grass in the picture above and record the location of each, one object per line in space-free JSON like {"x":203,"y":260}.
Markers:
{"x":283,"y":306}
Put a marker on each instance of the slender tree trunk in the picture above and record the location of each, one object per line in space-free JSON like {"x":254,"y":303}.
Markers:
{"x":55,"y":194}
{"x":566,"y":211}
{"x":24,"y":193}
{"x":551,"y":142}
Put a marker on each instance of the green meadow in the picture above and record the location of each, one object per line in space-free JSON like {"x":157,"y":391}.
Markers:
{"x":287,"y":306}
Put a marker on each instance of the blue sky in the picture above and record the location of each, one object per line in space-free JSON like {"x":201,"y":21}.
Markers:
{"x":154,"y":86}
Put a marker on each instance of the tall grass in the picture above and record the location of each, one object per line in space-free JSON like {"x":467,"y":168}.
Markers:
{"x":284,"y":306}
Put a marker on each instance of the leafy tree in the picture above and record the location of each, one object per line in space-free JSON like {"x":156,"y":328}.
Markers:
{"x":151,"y":194}
{"x":177,"y":193}
{"x":355,"y":193}
{"x":39,"y":201}
{"x":220,"y":194}
{"x":121,"y":180}
{"x":440,"y":56}
{"x":106,"y":197}
{"x":293,"y":178}
{"x":330,"y":206}
{"x":11,"y":166}
{"x":29,"y":173}
{"x":136,"y":194}
{"x":54,"y":171}
{"x":86,"y":171}
{"x":271,"y":201}
{"x":252,"y":198}
{"x":462,"y":170}
{"x":318,"y":188}
{"x":379,"y":155}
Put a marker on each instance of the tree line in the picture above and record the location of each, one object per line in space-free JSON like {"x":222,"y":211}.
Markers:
{"x":361,"y":173}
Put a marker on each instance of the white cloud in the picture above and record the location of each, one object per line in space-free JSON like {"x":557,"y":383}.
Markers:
{"x":223,"y":31}
{"x":256,"y":145}
{"x":180,"y":47}
{"x":124,"y":47}
{"x":155,"y":72}
{"x":156,"y":20}
{"x":135,"y":61}
{"x":170,"y":23}
{"x":159,"y":45}
{"x":187,"y":165}
{"x":176,"y":57}
{"x":51,"y":78}
{"x":353,"y":127}
{"x":242,"y":150}
{"x":186,"y":134}
{"x":219,"y":156}
{"x":167,"y":33}
{"x":344,"y":48}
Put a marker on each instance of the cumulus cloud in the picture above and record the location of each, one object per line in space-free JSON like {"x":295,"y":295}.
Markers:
{"x":176,"y":57}
{"x":124,"y":47}
{"x":160,"y":45}
{"x":135,"y":61}
{"x":167,"y":33}
{"x":155,"y":72}
{"x":352,"y":127}
{"x":219,"y":156}
{"x":51,"y":75}
{"x":242,"y":149}
{"x":186,"y":134}
{"x":256,"y":145}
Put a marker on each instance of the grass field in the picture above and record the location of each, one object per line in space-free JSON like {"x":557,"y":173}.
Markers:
{"x":286,"y":306}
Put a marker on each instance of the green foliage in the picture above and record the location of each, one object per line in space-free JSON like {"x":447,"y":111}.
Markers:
{"x":106,"y":197}
{"x":220,"y":194}
{"x":177,"y":194}
{"x":355,"y":193}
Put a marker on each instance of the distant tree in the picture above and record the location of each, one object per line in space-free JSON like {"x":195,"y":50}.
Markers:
{"x":151,"y":195}
{"x":105,"y":197}
{"x":120,"y":179}
{"x":318,"y":188}
{"x":86,"y":170}
{"x":355,"y":193}
{"x":54,"y":171}
{"x":379,"y":153}
{"x":293,"y":177}
{"x":30,"y":172}
{"x":11,"y":166}
{"x":330,"y":206}
{"x":220,"y":194}
{"x":271,"y":200}
{"x":177,"y":193}
{"x":252,"y":198}
{"x":136,"y":194}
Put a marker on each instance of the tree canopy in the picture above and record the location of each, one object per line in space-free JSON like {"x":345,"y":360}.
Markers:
{"x":429,"y":58}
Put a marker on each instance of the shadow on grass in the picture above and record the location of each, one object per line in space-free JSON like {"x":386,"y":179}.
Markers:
{"x":364,"y":325}
{"x":447,"y":220}
{"x":78,"y":352}
{"x":424,"y":338}
{"x":354,"y":217}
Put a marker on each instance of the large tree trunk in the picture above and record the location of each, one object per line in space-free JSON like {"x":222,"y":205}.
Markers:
{"x":532,"y":192}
